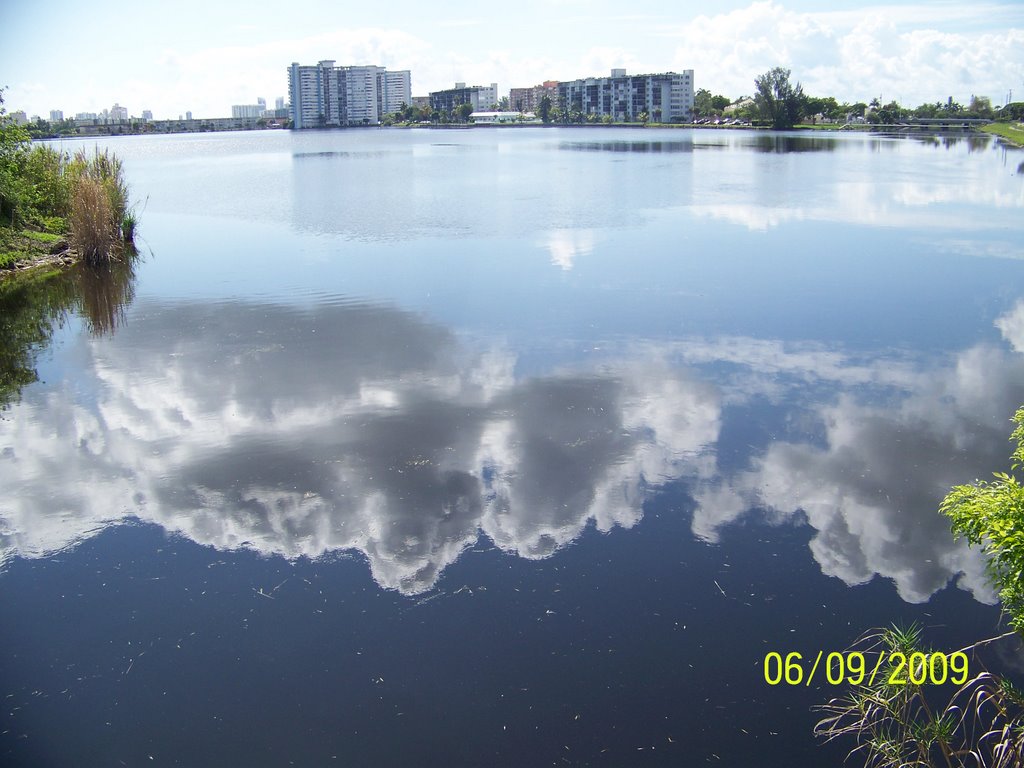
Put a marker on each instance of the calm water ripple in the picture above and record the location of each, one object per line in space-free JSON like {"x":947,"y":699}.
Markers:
{"x":499,"y":447}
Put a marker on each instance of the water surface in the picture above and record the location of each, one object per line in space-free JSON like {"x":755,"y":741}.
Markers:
{"x":499,"y":447}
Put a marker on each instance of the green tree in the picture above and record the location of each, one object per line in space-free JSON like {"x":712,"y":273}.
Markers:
{"x":777,"y":100}
{"x":14,"y":144}
{"x":813,"y":106}
{"x":990,"y":515}
{"x":858,"y":109}
{"x":1012,"y":111}
{"x":888,"y":114}
{"x":463,"y":111}
{"x":406,"y":113}
{"x":953,"y":108}
{"x":706,"y":105}
{"x":544,"y":109}
{"x":702,"y":106}
{"x":980,"y":106}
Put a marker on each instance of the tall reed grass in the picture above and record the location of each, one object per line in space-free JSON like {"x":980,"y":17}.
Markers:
{"x":92,"y":222}
{"x":101,"y":220}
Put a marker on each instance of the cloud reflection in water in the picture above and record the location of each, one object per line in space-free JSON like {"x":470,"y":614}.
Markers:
{"x":344,"y":427}
{"x":356,"y":427}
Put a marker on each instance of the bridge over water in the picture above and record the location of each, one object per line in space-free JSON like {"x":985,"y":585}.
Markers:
{"x":924,"y":125}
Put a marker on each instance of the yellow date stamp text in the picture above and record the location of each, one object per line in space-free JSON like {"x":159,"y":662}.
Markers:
{"x":854,"y":668}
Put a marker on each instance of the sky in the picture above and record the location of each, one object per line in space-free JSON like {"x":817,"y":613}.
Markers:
{"x":203,"y":57}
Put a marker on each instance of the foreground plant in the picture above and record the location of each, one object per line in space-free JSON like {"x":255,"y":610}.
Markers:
{"x":908,"y":723}
{"x":981,"y":724}
{"x":101,"y":219}
{"x":990,"y":515}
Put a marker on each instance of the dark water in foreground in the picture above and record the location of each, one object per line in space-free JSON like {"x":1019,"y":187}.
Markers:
{"x":499,"y":447}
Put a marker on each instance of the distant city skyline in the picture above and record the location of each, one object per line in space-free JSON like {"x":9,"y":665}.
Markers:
{"x":204,"y":57}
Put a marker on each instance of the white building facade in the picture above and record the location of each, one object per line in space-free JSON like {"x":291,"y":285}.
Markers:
{"x":395,"y":89}
{"x":326,"y":95}
{"x":480,"y":97}
{"x":248,"y":110}
{"x":666,"y":97}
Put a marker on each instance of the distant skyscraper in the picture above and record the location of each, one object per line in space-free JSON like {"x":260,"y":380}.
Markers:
{"x":279,"y":102}
{"x":188,"y":115}
{"x":249,"y":110}
{"x":118,"y":113}
{"x":325,"y":95}
{"x":147,"y":114}
{"x":56,"y":116}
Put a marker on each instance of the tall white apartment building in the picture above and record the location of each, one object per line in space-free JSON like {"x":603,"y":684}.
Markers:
{"x":326,"y":95}
{"x":56,"y":115}
{"x":395,"y":89}
{"x":666,"y":97}
{"x":360,"y":96}
{"x":306,"y":93}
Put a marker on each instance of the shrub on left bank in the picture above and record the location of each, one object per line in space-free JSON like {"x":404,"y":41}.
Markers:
{"x":44,"y":189}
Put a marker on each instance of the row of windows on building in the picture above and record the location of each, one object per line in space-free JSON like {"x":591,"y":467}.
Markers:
{"x":325,"y":95}
{"x":664,"y":97}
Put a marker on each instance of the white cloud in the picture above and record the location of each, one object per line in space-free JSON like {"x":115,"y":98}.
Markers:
{"x":899,"y":52}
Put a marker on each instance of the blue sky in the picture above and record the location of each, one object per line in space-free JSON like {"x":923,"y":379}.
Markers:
{"x":206,"y":56}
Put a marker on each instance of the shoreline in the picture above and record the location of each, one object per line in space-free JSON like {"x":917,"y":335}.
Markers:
{"x":25,"y":247}
{"x":1006,"y":131}
{"x":41,"y":255}
{"x":27,"y":250}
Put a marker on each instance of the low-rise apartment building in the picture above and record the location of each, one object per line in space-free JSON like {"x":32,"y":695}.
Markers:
{"x":528,"y":99}
{"x":482,"y":97}
{"x":666,"y":97}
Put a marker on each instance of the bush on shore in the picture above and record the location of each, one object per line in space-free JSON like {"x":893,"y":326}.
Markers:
{"x":100,"y":220}
{"x":44,"y":190}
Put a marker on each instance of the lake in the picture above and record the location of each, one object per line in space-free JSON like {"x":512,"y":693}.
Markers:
{"x":500,"y":447}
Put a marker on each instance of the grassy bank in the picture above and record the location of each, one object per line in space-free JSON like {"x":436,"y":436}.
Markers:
{"x":28,"y":246}
{"x":1012,"y":132}
{"x":61,"y":207}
